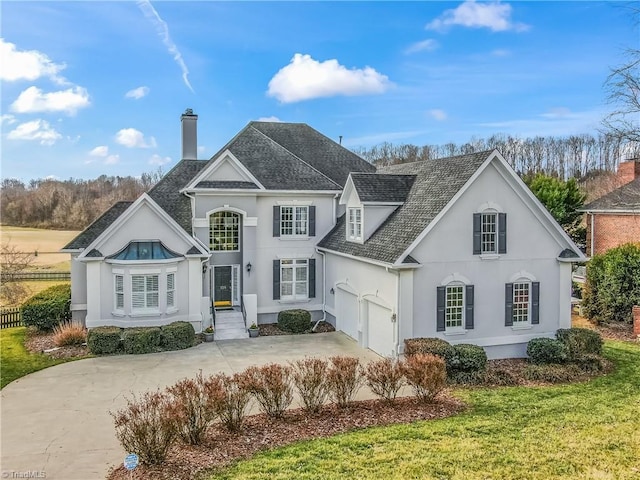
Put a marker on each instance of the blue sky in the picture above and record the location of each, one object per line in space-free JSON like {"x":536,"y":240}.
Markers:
{"x":91,"y":88}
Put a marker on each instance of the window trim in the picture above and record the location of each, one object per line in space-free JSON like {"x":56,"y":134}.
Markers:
{"x":463,"y":298}
{"x":116,"y":308}
{"x":355,"y":224}
{"x":296,"y":210}
{"x":223,"y":215}
{"x":171,"y":307}
{"x":145,"y":294}
{"x":526,"y":306}
{"x":486,"y":213}
{"x":127,"y":275}
{"x":294,"y":282}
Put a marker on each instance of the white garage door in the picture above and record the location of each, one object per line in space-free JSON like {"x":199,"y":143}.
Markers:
{"x":347,"y":313}
{"x":379,"y":329}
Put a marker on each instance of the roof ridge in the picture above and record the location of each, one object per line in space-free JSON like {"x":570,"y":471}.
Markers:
{"x":440,"y":158}
{"x":294,"y":155}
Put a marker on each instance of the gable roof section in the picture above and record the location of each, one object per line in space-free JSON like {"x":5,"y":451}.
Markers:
{"x":381,"y":187}
{"x":436,"y":182}
{"x":227,"y":184}
{"x":623,"y":199}
{"x":288,"y":156}
{"x":89,"y":234}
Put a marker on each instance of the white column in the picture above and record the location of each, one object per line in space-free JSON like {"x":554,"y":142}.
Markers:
{"x":564,"y":302}
{"x":94,"y":294}
{"x":195,"y":289}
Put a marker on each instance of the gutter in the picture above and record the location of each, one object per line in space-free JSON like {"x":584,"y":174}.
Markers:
{"x":396,"y":330}
{"x":324,"y":293}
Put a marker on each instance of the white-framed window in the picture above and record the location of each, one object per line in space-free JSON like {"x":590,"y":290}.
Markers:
{"x":118,"y":288}
{"x":355,"y":224}
{"x":171,"y":290}
{"x":489,"y":232}
{"x":454,"y":307}
{"x":224,"y":232}
{"x":521,"y":303}
{"x":294,"y":279}
{"x":144,"y":292}
{"x":294,"y":221}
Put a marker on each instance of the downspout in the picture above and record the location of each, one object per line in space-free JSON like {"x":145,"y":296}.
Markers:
{"x":396,"y":330}
{"x":593,"y":234}
{"x":324,"y":293}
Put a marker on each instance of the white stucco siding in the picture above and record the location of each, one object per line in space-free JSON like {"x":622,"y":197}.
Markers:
{"x":78,"y":289}
{"x":447,"y":252}
{"x":206,"y":203}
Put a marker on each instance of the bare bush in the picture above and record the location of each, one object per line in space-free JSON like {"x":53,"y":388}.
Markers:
{"x":12,"y":263}
{"x":231,"y":402}
{"x":147,"y":427}
{"x":69,"y":333}
{"x":427,"y":375}
{"x":271,"y":387}
{"x":384,"y":378}
{"x":343,"y":379}
{"x":194,"y":402}
{"x":309,"y":375}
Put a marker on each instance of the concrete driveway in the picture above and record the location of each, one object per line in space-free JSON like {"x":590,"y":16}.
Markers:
{"x":55,"y":423}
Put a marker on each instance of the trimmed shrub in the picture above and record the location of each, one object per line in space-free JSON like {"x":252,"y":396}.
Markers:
{"x":343,"y":379}
{"x":177,"y":336}
{"x":434,"y":346}
{"x":147,"y":427}
{"x":47,"y":309}
{"x":272,"y":388}
{"x":427,"y":375}
{"x":104,"y":340}
{"x":231,"y":402}
{"x":552,"y":373}
{"x":139,"y":340}
{"x":69,"y":333}
{"x":589,"y":363}
{"x":542,"y":351}
{"x":309,"y":375}
{"x":580,"y":341}
{"x":501,"y":376}
{"x":384,"y":378}
{"x":468,"y":364}
{"x":294,"y":321}
{"x":192,"y":410}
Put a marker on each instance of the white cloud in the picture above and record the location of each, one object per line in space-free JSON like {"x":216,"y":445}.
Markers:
{"x":34,"y":100}
{"x":163,"y":31}
{"x":558,"y":112}
{"x":39,"y":130}
{"x":437,"y":114}
{"x":305,"y":78}
{"x":500,"y":52}
{"x":112,"y":159}
{"x":100,"y":151}
{"x":428,"y":45}
{"x":137,"y":93}
{"x":26,"y":64}
{"x":132,"y":138}
{"x":202,"y":149}
{"x":8,"y":118}
{"x":158,"y":160}
{"x":495,"y":16}
{"x":269,"y":119}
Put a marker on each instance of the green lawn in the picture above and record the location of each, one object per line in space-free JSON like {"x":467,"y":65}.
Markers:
{"x":581,"y":431}
{"x":15,"y":360}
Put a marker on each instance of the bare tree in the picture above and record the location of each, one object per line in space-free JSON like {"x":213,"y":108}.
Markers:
{"x":13,"y":262}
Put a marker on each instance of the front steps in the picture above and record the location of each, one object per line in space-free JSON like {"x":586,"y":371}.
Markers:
{"x":230,"y":325}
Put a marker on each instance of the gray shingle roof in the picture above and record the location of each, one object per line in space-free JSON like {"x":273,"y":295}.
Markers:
{"x":226,"y":184}
{"x":166,"y":193}
{"x":293,"y":156}
{"x":381,"y":187}
{"x":626,"y":197}
{"x":437,"y":181}
{"x":89,"y":234}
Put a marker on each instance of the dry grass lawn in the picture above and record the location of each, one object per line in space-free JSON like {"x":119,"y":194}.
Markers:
{"x":46,"y":242}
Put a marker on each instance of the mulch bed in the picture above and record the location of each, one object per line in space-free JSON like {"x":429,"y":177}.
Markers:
{"x":260,"y":432}
{"x":40,"y":342}
{"x":269,"y":329}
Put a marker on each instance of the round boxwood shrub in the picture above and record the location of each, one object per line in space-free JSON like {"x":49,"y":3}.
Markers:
{"x":177,"y":336}
{"x":104,"y":340}
{"x":434,"y":346}
{"x":468,"y":364}
{"x":547,"y":350}
{"x":580,"y":341}
{"x":294,"y":321}
{"x":48,"y":308}
{"x":141,"y":340}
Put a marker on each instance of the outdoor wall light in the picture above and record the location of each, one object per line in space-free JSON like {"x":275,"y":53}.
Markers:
{"x":249,"y":266}
{"x":332,"y":291}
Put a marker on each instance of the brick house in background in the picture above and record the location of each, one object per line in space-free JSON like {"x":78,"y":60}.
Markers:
{"x":614,"y":219}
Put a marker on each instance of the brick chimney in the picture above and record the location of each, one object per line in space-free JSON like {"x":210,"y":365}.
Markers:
{"x":189,"y":135}
{"x":636,"y":320}
{"x":628,"y":171}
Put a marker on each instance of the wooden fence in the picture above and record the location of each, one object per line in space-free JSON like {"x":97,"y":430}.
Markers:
{"x":10,"y":317}
{"x":30,"y":276}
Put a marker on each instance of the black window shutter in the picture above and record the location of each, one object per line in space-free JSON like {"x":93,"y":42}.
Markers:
{"x":477,"y":233}
{"x":502,"y":233}
{"x":312,"y":221}
{"x":468,"y":314}
{"x":441,"y":300}
{"x":276,"y":279}
{"x":312,"y":278}
{"x":535,"y":303}
{"x":508,"y":305}
{"x":276,"y":221}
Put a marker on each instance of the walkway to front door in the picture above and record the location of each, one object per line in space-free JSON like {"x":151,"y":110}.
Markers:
{"x":230,"y":325}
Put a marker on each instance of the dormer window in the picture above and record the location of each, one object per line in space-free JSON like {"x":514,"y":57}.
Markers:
{"x":354,"y":226}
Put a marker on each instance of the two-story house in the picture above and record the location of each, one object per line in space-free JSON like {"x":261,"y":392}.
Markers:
{"x":283,"y":217}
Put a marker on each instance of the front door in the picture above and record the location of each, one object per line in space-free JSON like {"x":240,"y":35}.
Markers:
{"x":222,"y":294}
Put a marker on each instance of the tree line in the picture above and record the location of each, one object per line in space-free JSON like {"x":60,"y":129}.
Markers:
{"x":67,"y":204}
